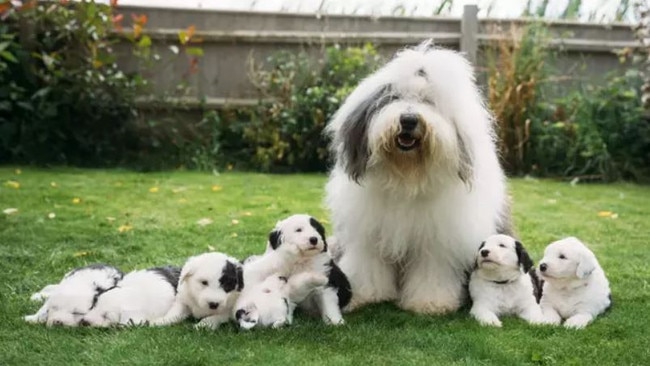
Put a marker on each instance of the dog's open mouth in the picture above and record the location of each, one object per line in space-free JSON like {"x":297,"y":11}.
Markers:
{"x":405,"y":141}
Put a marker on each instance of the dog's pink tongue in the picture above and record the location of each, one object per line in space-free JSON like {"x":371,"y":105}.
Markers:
{"x":406,"y":141}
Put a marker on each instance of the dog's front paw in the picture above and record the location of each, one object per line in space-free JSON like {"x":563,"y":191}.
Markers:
{"x":207,"y":323}
{"x":334,"y":321}
{"x":430,"y":307}
{"x":577,"y":321}
{"x":38,"y":297}
{"x":31,"y":319}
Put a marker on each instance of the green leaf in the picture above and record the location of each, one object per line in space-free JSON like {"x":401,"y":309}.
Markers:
{"x":194,"y":51}
{"x":8,"y":56}
{"x":144,"y":42}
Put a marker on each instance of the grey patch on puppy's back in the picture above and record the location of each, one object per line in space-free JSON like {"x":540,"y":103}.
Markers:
{"x":171,"y":274}
{"x":538,"y":284}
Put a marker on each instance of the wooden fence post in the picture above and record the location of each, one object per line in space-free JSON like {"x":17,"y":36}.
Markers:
{"x":469,"y":32}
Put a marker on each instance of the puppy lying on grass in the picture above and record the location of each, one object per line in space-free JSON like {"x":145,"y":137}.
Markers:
{"x":140,"y":297}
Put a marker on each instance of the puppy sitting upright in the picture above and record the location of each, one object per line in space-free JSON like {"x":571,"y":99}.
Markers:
{"x":297,"y":244}
{"x":503,"y":282}
{"x":208,"y":288}
{"x":575,"y":286}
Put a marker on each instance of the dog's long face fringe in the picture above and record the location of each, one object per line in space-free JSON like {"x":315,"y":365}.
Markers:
{"x":393,"y":121}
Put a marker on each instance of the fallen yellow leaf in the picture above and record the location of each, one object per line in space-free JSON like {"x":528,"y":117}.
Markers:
{"x":229,"y":167}
{"x":76,"y":200}
{"x":204,"y":221}
{"x":10,"y":211}
{"x":605,"y":214}
{"x":153,"y":189}
{"x":614,"y":216}
{"x":12,"y":184}
{"x":19,"y":172}
{"x":110,"y":219}
{"x":53,"y":184}
{"x":235,"y":222}
{"x":125,"y":228}
{"x":182,"y":200}
{"x":211,"y":248}
{"x":324,"y":221}
{"x":234,"y":235}
{"x":51,"y":215}
{"x":216,"y":188}
{"x":248,"y":213}
{"x":81,"y":254}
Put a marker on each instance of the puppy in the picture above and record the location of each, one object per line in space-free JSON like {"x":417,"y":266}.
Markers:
{"x":503,"y":282}
{"x":271,"y":303}
{"x":297,"y":244}
{"x":208,"y":288}
{"x":140,"y":297}
{"x":575,"y":286}
{"x":68,"y":301}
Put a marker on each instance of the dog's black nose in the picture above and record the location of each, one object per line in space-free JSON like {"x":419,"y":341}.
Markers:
{"x":408,"y":121}
{"x":313,"y":240}
{"x":484,"y":253}
{"x":240,"y":313}
{"x":213,"y":305}
{"x":57,"y":322}
{"x":84,"y":323}
{"x":543,"y":267}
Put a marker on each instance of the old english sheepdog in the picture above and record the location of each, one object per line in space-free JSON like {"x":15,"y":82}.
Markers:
{"x":68,"y":301}
{"x":140,"y":297}
{"x":271,"y":303}
{"x":504,"y":282}
{"x":575,"y":287}
{"x":297,"y":245}
{"x":208,"y":288}
{"x":417,"y":182}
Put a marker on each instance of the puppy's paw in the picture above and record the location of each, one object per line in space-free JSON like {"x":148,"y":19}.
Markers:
{"x":577,"y":321}
{"x":334,"y":321}
{"x":38,"y":297}
{"x":206,"y":323}
{"x":33,"y":319}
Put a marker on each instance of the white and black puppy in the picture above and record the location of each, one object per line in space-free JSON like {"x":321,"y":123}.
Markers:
{"x":208,"y":288}
{"x":504,"y":282}
{"x":68,"y":301}
{"x":271,"y":303}
{"x":297,"y":244}
{"x":140,"y":297}
{"x":575,"y":286}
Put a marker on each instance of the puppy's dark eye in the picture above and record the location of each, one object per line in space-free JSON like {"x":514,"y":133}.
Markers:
{"x":562,"y":256}
{"x":502,"y":246}
{"x":299,"y":230}
{"x":204,"y":283}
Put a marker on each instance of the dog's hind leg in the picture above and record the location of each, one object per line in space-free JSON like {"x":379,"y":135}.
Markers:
{"x":44,"y":293}
{"x":176,"y":314}
{"x":328,"y":304}
{"x":39,"y":317}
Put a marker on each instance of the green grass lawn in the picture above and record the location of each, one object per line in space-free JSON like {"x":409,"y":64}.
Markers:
{"x":139,"y":220}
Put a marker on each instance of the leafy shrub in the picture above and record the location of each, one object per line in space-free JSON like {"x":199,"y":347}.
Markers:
{"x":297,"y":98}
{"x":596,"y":133}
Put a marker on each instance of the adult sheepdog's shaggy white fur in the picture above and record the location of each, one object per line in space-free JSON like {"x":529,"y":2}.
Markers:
{"x":417,"y":184}
{"x":575,"y":287}
{"x":504,"y":282}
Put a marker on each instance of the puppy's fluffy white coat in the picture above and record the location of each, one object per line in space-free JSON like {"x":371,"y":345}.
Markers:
{"x":208,"y":288}
{"x":409,"y":206}
{"x":140,"y":297}
{"x":271,"y":303}
{"x":575,"y":286}
{"x":68,"y":301}
{"x":501,"y":283}
{"x":297,"y":245}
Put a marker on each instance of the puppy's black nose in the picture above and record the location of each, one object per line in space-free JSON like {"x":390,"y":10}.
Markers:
{"x":84,"y":323}
{"x":240,"y":313}
{"x":543,"y":267}
{"x":484,"y":253}
{"x":57,"y":322}
{"x":408,"y":121}
{"x":313,"y":240}
{"x":213,"y":305}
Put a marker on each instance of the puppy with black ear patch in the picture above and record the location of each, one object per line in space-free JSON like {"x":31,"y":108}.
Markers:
{"x":297,"y":244}
{"x":503,"y":282}
{"x":575,"y":286}
{"x":140,"y":297}
{"x":208,"y":288}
